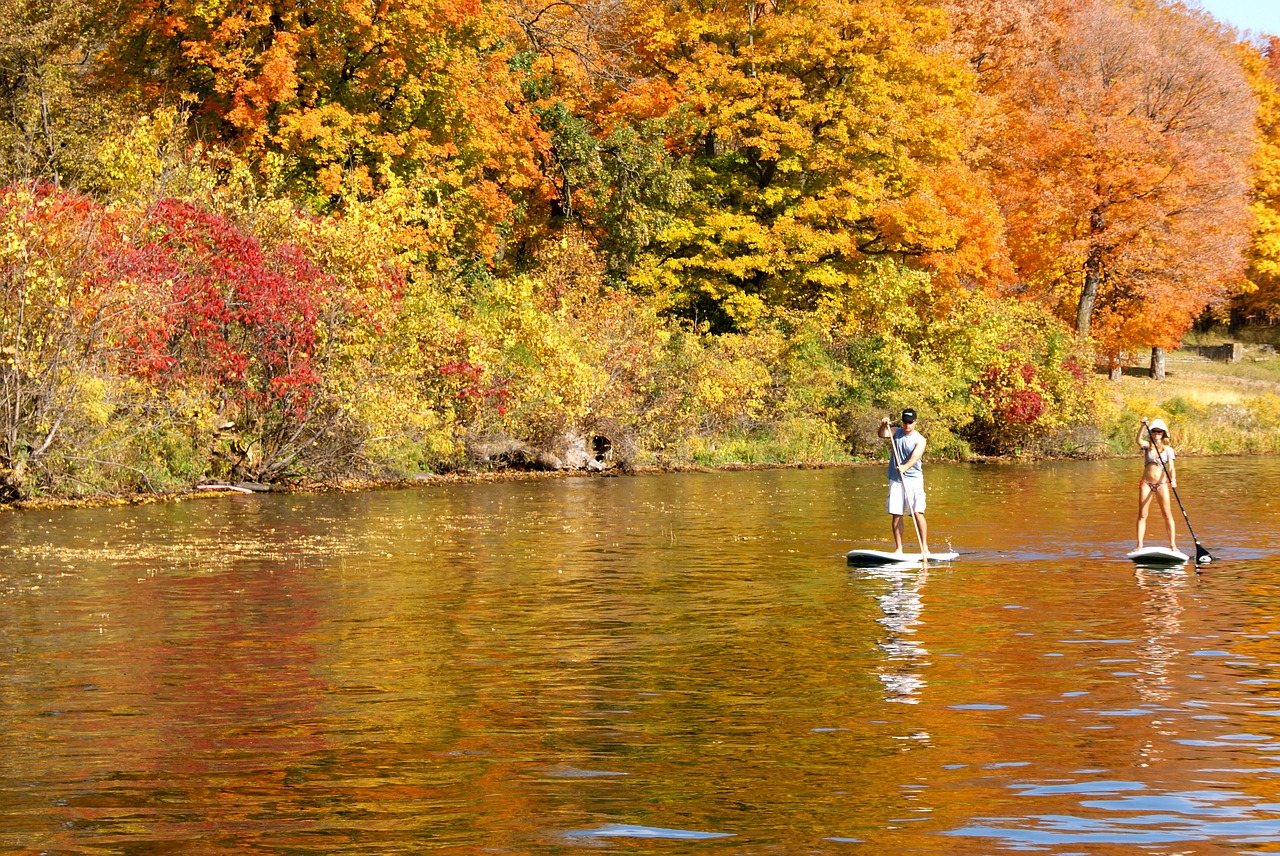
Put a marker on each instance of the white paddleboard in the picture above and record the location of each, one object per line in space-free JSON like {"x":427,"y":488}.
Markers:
{"x":876,"y":558}
{"x":1158,"y":556}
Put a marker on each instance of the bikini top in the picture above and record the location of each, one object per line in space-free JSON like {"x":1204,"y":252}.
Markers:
{"x":1154,"y":457}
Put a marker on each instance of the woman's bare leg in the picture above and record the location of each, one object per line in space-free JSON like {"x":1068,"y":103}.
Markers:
{"x":1163,"y":494}
{"x":1144,"y":503}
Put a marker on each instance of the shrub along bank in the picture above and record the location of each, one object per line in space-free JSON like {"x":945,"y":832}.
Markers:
{"x":221,"y":336}
{"x":217,"y":334}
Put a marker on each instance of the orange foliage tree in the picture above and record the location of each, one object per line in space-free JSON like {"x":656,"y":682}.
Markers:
{"x":1122,"y":165}
{"x":347,"y":97}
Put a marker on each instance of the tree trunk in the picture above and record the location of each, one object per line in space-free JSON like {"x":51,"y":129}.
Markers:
{"x":1117,"y":372}
{"x":1157,"y":363}
{"x":1089,"y":294}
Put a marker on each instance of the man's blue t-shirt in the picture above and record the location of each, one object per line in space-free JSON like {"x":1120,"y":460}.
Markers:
{"x":906,"y":445}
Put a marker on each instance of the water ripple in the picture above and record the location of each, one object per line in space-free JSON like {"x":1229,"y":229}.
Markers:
{"x":629,"y":830}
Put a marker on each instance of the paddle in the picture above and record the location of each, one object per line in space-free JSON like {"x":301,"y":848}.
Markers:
{"x":906,"y":495}
{"x":1202,"y":555}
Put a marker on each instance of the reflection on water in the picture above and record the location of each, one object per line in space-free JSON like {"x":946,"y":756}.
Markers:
{"x":1159,"y":651}
{"x":645,"y":664}
{"x":902,"y":672}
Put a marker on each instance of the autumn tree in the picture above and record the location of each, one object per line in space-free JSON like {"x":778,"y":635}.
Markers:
{"x":1260,"y":300}
{"x":999,"y":38}
{"x":416,"y":95}
{"x":585,"y":42}
{"x":50,"y":116}
{"x":820,"y":135}
{"x":1123,"y":170}
{"x":611,"y":179}
{"x":52,"y":337}
{"x":252,"y":324}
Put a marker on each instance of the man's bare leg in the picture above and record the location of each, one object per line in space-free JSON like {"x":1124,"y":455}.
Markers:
{"x":924,"y":533}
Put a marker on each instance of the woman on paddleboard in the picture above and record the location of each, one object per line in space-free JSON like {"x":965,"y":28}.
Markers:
{"x":1158,"y":475}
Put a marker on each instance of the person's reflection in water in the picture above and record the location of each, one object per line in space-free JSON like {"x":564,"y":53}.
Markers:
{"x":1162,"y":623}
{"x":902,"y":607}
{"x":1157,"y":652}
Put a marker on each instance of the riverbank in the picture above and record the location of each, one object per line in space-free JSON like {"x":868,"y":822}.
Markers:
{"x":416,"y":482}
{"x":1212,"y":408}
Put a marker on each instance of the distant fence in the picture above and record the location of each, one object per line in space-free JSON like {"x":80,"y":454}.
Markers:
{"x":1232,"y":352}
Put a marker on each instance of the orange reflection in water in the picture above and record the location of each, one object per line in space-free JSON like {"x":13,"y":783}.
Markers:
{"x":548,"y":667}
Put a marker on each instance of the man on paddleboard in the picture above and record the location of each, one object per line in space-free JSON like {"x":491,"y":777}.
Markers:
{"x":906,"y":479}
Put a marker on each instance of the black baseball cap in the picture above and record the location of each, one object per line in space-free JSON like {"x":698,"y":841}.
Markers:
{"x":909,"y":415}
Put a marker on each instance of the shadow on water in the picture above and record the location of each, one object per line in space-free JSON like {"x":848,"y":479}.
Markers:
{"x":649,"y":663}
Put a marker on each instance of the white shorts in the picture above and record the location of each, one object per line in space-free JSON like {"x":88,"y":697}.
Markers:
{"x":916,"y":490}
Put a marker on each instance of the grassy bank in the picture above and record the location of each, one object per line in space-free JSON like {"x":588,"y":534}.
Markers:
{"x":1213,"y":408}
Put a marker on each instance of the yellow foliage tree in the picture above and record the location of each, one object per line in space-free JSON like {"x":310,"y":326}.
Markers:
{"x":1260,"y":299}
{"x":821,"y":134}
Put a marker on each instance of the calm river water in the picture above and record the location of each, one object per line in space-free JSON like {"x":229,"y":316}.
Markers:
{"x":673,"y":664}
